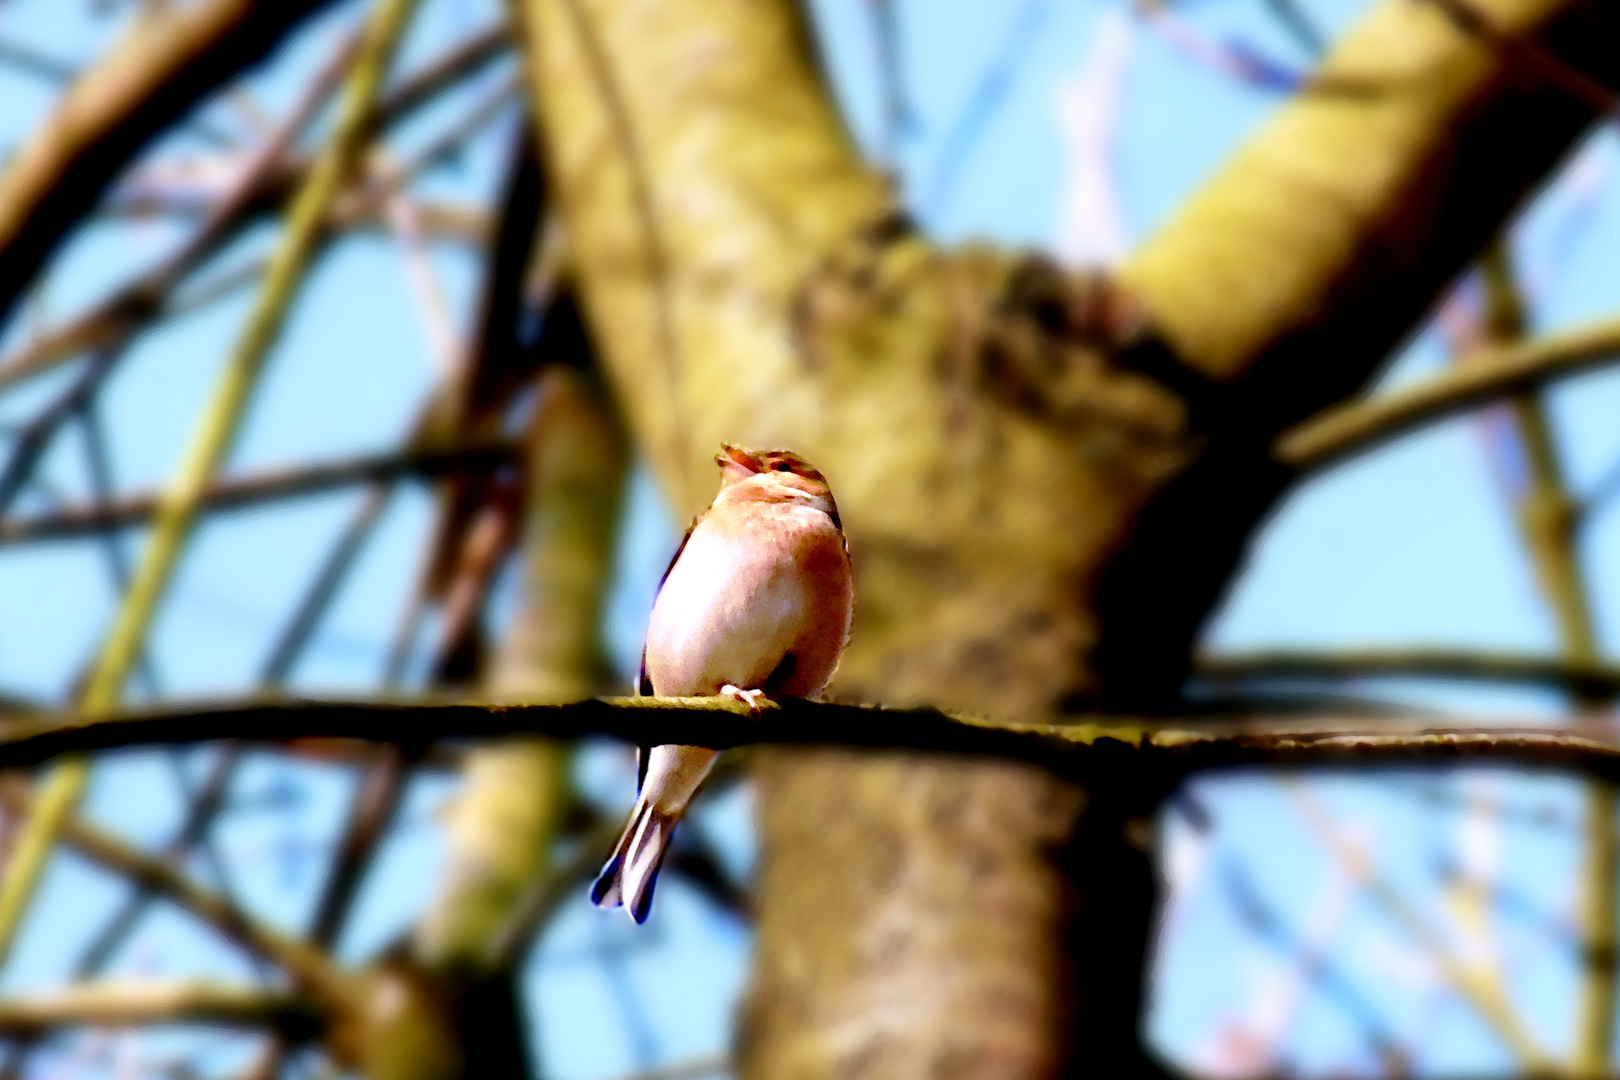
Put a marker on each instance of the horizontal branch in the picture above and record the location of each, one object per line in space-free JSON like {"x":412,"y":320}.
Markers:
{"x":1358,"y":426}
{"x":131,"y":1003}
{"x":1100,"y":746}
{"x":260,"y":488}
{"x":1593,"y":680}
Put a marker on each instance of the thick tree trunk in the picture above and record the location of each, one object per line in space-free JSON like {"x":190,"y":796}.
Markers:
{"x":1046,"y":479}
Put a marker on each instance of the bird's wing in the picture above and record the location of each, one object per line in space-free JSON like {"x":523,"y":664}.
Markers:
{"x":644,"y":686}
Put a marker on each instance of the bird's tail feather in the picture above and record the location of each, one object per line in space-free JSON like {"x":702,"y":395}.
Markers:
{"x":632,"y":869}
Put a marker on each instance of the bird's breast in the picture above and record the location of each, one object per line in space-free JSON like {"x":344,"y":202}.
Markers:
{"x":748,"y":589}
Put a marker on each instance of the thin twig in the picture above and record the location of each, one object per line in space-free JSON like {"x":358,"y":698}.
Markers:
{"x":308,"y":965}
{"x":177,"y":512}
{"x":205,"y":806}
{"x":1360,"y":426}
{"x":1593,"y":678}
{"x":1547,"y":519}
{"x":146,"y":83}
{"x":1484,"y":993}
{"x":132,"y":1003}
{"x":255,"y":489}
{"x":290,"y":645}
{"x":254,"y":190}
{"x":376,"y":800}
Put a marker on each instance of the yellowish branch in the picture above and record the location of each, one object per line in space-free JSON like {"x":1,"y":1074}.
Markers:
{"x":178,"y":511}
{"x":1349,"y":429}
{"x":133,"y":1003}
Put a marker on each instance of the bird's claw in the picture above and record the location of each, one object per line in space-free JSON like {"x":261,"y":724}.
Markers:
{"x":747,"y":697}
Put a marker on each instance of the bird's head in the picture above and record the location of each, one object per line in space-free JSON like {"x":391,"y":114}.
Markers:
{"x":779,"y":470}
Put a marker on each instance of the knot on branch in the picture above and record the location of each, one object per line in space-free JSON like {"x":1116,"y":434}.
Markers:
{"x":1006,"y":335}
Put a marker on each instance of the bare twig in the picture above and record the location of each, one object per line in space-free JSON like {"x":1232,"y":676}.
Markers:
{"x":308,"y":966}
{"x":1547,"y":519}
{"x":1350,"y":429}
{"x":1590,"y":678}
{"x":259,"y":488}
{"x":382,"y":784}
{"x":149,"y":80}
{"x":1484,"y":992}
{"x":205,"y":806}
{"x":130,"y":1003}
{"x":177,"y":511}
{"x":257,"y":189}
{"x":290,"y":645}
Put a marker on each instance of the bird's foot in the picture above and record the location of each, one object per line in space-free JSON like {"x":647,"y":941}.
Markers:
{"x":747,"y":697}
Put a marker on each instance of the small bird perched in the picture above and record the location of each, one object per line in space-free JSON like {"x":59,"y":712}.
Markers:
{"x":757,"y":601}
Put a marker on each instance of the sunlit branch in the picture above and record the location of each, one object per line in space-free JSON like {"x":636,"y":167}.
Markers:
{"x":1350,"y":429}
{"x":1596,"y":678}
{"x":256,"y":489}
{"x":134,"y":1003}
{"x":439,"y":220}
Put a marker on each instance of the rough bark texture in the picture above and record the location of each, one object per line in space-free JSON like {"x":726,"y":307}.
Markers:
{"x":1046,"y":479}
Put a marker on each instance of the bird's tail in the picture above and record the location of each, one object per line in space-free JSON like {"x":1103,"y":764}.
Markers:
{"x":632,"y":869}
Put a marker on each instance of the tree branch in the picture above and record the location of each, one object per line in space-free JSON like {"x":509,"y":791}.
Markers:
{"x":1080,"y":747}
{"x":261,"y":188}
{"x":309,"y":967}
{"x":1345,"y":430}
{"x":177,"y":511}
{"x":149,"y":81}
{"x":1429,"y":663}
{"x":75,"y":521}
{"x":130,"y":1003}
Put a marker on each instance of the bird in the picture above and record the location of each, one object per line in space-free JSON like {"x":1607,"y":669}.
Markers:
{"x":756,"y":603}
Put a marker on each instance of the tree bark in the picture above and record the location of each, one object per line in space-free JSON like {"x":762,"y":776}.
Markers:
{"x":1046,"y":479}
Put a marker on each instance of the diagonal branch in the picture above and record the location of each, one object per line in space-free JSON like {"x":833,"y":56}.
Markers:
{"x":267,"y":183}
{"x":177,"y":511}
{"x":149,"y":80}
{"x":1345,"y":430}
{"x":309,"y":967}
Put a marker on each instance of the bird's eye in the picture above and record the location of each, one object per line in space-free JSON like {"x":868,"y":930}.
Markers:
{"x":781,"y":466}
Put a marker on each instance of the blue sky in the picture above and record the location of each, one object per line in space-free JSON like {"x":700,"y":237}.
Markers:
{"x":1414,"y":544}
